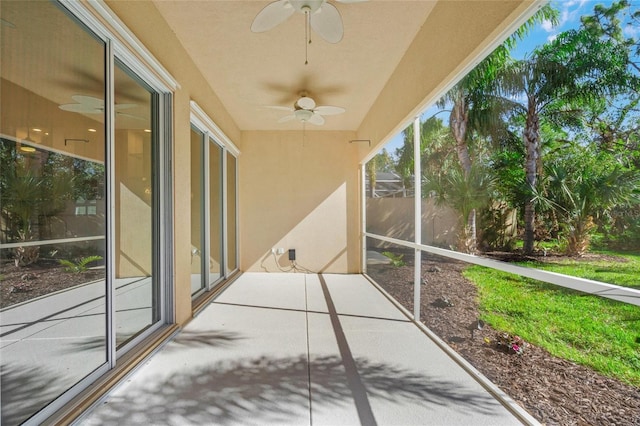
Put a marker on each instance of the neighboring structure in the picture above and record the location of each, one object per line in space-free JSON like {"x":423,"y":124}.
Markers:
{"x":388,"y":185}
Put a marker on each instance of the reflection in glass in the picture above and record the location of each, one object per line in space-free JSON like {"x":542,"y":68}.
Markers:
{"x":136,"y":287}
{"x":197,"y":194}
{"x":52,"y":190}
{"x":232,"y":262}
{"x":215,"y":212}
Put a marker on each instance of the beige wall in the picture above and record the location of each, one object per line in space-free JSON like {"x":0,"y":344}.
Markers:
{"x":300,"y":194}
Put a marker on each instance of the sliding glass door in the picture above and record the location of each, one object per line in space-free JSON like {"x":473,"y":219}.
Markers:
{"x":135,"y":282}
{"x":52,"y":187}
{"x":214,"y":170}
{"x":231,"y":213}
{"x":213,"y":211}
{"x":198,"y":285}
{"x":81,"y":161}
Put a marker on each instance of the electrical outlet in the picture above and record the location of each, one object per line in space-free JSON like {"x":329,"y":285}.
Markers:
{"x":280,"y":250}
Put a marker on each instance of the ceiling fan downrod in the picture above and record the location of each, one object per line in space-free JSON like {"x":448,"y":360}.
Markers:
{"x":307,"y":33}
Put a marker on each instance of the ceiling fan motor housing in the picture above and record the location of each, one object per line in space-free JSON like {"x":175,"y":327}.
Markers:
{"x":303,"y":6}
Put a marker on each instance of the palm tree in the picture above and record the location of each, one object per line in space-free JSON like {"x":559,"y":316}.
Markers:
{"x":554,"y":85}
{"x":473,"y":109}
{"x":465,"y":193}
{"x":586,"y":185}
{"x":382,"y":162}
{"x":435,"y":149}
{"x":32,"y":189}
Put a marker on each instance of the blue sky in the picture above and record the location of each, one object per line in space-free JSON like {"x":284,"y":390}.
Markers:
{"x":570,"y":13}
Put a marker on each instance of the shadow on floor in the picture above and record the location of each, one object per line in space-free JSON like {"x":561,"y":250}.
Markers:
{"x":24,"y":392}
{"x":266,"y":390}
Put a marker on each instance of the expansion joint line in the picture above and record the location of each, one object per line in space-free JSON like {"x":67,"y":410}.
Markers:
{"x":306,"y":313}
{"x":354,"y":381}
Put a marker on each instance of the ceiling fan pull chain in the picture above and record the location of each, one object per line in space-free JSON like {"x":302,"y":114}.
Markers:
{"x":304,"y":133}
{"x":307,"y":36}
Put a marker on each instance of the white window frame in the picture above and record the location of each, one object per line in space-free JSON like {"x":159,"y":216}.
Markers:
{"x":213,"y":134}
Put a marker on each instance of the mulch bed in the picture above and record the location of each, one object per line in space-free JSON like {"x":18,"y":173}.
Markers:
{"x":553,"y":390}
{"x":19,"y":285}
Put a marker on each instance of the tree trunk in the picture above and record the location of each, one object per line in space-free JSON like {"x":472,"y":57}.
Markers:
{"x":579,"y":236}
{"x":459,"y":121}
{"x":532,"y":164}
{"x":371,"y":169}
{"x":472,"y":244}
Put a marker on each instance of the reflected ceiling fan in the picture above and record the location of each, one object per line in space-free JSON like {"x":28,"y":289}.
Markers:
{"x":323,"y":17}
{"x":91,"y":105}
{"x":305,"y":110}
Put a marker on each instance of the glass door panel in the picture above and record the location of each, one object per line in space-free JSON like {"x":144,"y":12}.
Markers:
{"x":52,"y":200}
{"x":232,"y":261}
{"x":135,"y":285}
{"x":215,"y":212}
{"x":197,"y":228}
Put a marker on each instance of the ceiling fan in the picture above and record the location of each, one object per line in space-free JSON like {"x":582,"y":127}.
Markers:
{"x":323,"y":17}
{"x":91,"y":105}
{"x":305,"y":110}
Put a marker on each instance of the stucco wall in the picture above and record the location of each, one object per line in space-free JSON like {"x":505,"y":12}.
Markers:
{"x":299,"y":194}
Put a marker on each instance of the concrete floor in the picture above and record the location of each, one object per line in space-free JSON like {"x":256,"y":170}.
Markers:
{"x":295,"y":349}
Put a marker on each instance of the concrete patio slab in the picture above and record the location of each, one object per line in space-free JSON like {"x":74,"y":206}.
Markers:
{"x":275,"y":290}
{"x":256,"y":356}
{"x":232,"y":365}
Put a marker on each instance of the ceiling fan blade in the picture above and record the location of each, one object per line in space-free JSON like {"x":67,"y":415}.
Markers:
{"x":306,"y":102}
{"x":329,"y":110}
{"x":272,"y":15}
{"x":316,"y":119}
{"x":135,"y":117}
{"x":89,"y":101}
{"x":280,"y":108}
{"x":118,"y":107}
{"x":287,"y":118}
{"x":82,"y":108}
{"x":327,"y":22}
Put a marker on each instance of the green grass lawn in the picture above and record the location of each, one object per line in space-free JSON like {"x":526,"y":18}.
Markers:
{"x":625,"y":273}
{"x":600,"y":333}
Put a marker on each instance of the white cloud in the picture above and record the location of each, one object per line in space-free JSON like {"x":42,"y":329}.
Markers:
{"x":631,"y":31}
{"x":572,"y":3}
{"x":570,"y":11}
{"x":564,"y":17}
{"x":547,"y":26}
{"x":552,"y":37}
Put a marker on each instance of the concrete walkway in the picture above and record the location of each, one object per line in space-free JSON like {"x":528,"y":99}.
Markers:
{"x":295,"y":349}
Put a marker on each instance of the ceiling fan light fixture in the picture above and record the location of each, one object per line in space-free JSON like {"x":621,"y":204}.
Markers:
{"x":303,"y":114}
{"x":27,"y":148}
